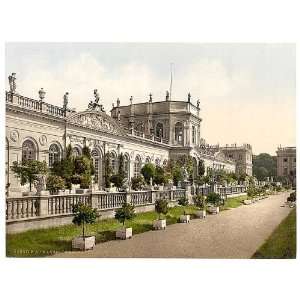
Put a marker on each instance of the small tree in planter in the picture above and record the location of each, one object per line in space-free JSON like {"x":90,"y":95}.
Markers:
{"x":137,"y":183}
{"x":28,"y":171}
{"x":126,"y":212}
{"x":200,"y":202}
{"x":83,"y":214}
{"x":161,"y":207}
{"x":55,"y":183}
{"x":148,"y":171}
{"x":185,"y":218}
{"x":214,"y":200}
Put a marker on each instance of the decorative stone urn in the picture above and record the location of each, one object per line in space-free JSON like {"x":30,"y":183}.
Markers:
{"x":85,"y":243}
{"x":185,"y":219}
{"x":159,"y":224}
{"x":200,"y":214}
{"x":213,"y":209}
{"x":124,"y":233}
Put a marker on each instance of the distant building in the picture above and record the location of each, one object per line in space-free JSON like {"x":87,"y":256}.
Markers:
{"x":286,"y":163}
{"x":242,"y":155}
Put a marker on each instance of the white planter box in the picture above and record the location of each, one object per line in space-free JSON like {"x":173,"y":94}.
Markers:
{"x":200,"y":214}
{"x":82,"y":191}
{"x":83,"y":243}
{"x":44,"y":193}
{"x":247,"y":202}
{"x":185,"y":219}
{"x":213,"y":209}
{"x":124,"y":233}
{"x":159,"y":224}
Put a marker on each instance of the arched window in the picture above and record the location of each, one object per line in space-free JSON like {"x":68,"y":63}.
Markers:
{"x":96,"y":157}
{"x":148,"y":160}
{"x":54,"y":154}
{"x":165,"y":163}
{"x":193,"y":134}
{"x":137,"y":166}
{"x":76,"y":152}
{"x":179,"y":133}
{"x":126,"y":165}
{"x":28,"y":150}
{"x":113,"y":162}
{"x":157,"y":161}
{"x":159,"y":131}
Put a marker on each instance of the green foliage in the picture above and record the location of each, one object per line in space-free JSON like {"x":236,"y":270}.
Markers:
{"x":126,"y":212}
{"x":177,"y":174}
{"x":83,"y":214}
{"x":292,"y":197}
{"x":117,"y":180}
{"x":76,"y":179}
{"x":183,"y":201}
{"x":160,"y":177}
{"x":64,"y":168}
{"x":161,"y":207}
{"x":201,"y":167}
{"x":137,"y":183}
{"x":85,"y":181}
{"x":214,"y":199}
{"x":55,"y":183}
{"x":264,"y":165}
{"x":199,"y":201}
{"x":121,"y":170}
{"x":107,"y":170}
{"x":148,"y":171}
{"x":28,"y":170}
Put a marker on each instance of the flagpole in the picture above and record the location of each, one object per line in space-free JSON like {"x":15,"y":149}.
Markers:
{"x":171,"y":82}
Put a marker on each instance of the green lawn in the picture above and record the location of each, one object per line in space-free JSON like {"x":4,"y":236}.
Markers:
{"x":234,"y":202}
{"x":44,"y":242}
{"x":282,"y":242}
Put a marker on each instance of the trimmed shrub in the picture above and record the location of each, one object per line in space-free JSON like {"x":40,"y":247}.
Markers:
{"x":55,"y":183}
{"x":126,"y":212}
{"x":137,"y":183}
{"x":199,"y":201}
{"x":183,"y":201}
{"x":161,"y":207}
{"x":214,"y":199}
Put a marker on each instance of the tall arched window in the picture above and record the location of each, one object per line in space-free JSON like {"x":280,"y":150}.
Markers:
{"x":137,"y":166}
{"x":148,"y":160}
{"x":113,"y":162}
{"x":54,"y":154}
{"x":193,"y":134}
{"x":157,"y":161}
{"x":179,"y":133}
{"x":126,"y":165}
{"x":28,"y":150}
{"x":159,"y":131}
{"x":96,"y":159}
{"x":76,"y":152}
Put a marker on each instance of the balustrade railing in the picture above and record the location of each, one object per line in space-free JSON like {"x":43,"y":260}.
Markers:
{"x":62,"y":204}
{"x":22,"y":208}
{"x":55,"y":205}
{"x":141,"y":198}
{"x":109,"y":200}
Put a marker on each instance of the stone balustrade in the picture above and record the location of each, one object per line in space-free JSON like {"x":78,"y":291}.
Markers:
{"x":36,"y":105}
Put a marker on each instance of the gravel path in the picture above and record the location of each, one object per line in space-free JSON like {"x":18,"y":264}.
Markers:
{"x":235,"y":233}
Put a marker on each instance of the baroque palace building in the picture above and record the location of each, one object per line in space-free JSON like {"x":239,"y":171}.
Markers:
{"x":144,"y":132}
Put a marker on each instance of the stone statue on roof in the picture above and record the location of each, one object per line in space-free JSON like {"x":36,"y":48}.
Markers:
{"x":189,"y":97}
{"x":167,"y":96}
{"x":66,"y":100}
{"x":12,"y":82}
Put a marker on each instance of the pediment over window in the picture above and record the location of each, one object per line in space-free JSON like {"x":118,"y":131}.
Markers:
{"x":96,"y":120}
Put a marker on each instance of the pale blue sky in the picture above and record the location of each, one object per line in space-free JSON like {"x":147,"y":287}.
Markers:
{"x":247,"y":91}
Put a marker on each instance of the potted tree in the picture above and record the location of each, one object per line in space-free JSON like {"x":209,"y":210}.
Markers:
{"x":214,"y":201}
{"x":55,"y":183}
{"x":199,"y":201}
{"x":185,"y":218}
{"x":28,"y":171}
{"x":83,"y":215}
{"x":161,"y":207}
{"x":126,"y":212}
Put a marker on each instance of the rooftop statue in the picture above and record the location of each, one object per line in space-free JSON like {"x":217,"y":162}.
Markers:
{"x":12,"y":82}
{"x":167,"y":96}
{"x":118,"y":102}
{"x":94,"y":105}
{"x":198,"y":103}
{"x":150,"y":97}
{"x":189,"y":97}
{"x":131,"y":100}
{"x":66,"y":100}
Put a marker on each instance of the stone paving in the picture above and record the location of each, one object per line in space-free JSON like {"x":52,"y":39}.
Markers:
{"x":234,"y":233}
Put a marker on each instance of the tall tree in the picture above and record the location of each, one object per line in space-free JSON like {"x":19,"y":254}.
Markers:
{"x":264,"y":165}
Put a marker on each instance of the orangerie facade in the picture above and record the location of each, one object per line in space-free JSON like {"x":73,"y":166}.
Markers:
{"x":144,"y":132}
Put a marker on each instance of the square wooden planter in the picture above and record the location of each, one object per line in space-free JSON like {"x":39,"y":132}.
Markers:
{"x":185,"y":219}
{"x":124,"y":233}
{"x":159,"y":224}
{"x":200,"y":214}
{"x":81,"y":243}
{"x":247,"y":202}
{"x":213,"y":210}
